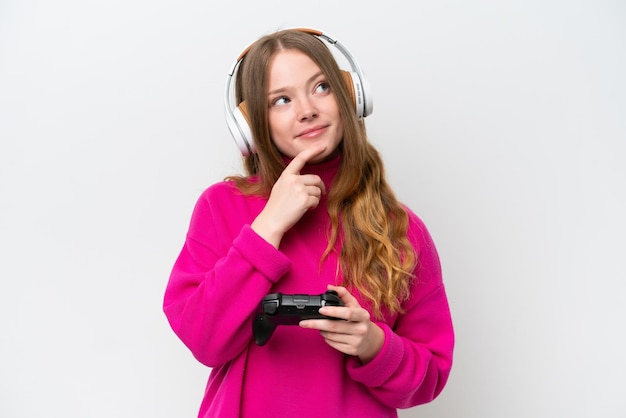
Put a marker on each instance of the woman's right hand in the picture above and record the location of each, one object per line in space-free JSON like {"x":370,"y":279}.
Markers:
{"x":292,"y":196}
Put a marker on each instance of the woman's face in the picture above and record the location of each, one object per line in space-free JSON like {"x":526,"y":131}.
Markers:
{"x":302,"y":110}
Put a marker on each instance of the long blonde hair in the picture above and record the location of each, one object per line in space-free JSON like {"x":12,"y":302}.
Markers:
{"x":368,"y":223}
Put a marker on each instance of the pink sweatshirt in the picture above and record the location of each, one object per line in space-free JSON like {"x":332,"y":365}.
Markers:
{"x":223,"y":271}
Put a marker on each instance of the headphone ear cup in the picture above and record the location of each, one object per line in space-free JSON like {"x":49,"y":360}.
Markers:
{"x":358,"y":92}
{"x":347,"y":79}
{"x":240,"y":129}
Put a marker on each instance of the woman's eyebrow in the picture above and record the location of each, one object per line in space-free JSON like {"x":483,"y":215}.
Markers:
{"x":281,"y":89}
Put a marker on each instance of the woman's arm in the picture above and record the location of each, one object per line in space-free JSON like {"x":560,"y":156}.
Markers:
{"x":406,"y":361}
{"x":414,"y":362}
{"x":222,"y":272}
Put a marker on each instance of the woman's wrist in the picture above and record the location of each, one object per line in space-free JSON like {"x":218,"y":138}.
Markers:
{"x":376,"y":341}
{"x":270,"y":235}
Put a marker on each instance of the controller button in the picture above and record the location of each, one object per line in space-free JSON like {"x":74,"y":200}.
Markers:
{"x":270,"y":308}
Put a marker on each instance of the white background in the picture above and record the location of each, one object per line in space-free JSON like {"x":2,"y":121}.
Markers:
{"x":502,"y":124}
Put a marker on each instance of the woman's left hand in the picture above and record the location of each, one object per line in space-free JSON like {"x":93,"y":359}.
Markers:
{"x":357,"y":335}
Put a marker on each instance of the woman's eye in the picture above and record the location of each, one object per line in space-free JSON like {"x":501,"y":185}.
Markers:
{"x":279,"y":101}
{"x":322,"y":87}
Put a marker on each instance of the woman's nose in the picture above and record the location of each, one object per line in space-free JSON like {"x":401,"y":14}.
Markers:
{"x":307,"y":109}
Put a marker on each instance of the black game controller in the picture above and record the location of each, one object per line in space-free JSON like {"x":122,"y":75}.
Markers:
{"x":280,"y":309}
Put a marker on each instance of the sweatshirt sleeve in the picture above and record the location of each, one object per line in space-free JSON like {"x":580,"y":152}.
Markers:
{"x":222,"y":272}
{"x":414,"y":363}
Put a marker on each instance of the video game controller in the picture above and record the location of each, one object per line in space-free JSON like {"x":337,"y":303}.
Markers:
{"x":280,"y":309}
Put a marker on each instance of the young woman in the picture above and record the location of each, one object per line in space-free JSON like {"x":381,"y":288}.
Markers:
{"x":313,"y":213}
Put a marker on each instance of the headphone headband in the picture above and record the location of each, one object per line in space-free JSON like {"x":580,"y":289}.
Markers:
{"x":236,"y":115}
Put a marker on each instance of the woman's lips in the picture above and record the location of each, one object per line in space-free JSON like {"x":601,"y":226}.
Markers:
{"x":313,"y":132}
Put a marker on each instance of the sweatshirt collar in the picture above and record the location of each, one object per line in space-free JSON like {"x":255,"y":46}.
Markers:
{"x":326,"y":170}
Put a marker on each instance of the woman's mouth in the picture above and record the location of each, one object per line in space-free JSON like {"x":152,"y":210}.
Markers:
{"x":313,"y":132}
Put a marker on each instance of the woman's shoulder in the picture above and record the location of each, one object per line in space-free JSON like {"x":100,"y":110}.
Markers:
{"x":429,"y":265}
{"x":223,"y":202}
{"x":227,"y":187}
{"x":220,"y":189}
{"x":224,"y":193}
{"x":414,"y":219}
{"x":418,"y":232}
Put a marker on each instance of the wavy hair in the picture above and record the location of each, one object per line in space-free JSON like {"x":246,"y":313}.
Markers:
{"x":368,"y":224}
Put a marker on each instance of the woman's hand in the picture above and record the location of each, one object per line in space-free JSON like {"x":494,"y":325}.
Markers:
{"x":292,"y":196}
{"x":357,"y":335}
